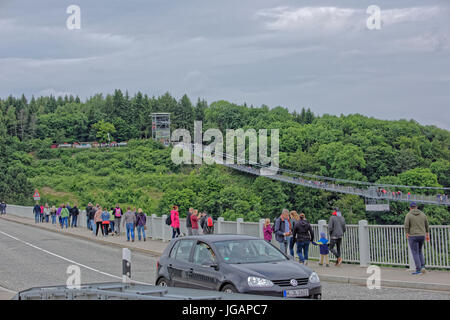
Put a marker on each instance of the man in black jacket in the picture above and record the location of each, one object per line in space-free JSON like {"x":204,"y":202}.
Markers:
{"x":303,"y":234}
{"x":188,"y":221}
{"x":74,"y":212}
{"x":336,"y":228}
{"x":88,"y":210}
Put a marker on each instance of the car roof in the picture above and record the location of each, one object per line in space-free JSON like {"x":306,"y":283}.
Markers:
{"x":218,"y":237}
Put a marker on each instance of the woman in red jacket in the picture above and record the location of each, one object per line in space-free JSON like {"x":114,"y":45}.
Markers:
{"x":175,"y":218}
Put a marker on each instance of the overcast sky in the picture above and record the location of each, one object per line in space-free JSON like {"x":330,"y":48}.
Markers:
{"x":316,"y":54}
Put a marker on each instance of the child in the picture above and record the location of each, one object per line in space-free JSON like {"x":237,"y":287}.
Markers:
{"x":105,"y":222}
{"x":268,"y":231}
{"x":323,"y":246}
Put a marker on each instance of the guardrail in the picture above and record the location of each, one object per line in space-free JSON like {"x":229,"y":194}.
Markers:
{"x":364,"y":244}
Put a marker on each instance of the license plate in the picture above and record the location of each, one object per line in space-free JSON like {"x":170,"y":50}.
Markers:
{"x":296,"y":293}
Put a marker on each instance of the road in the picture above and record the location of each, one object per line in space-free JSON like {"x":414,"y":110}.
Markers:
{"x":32,"y":257}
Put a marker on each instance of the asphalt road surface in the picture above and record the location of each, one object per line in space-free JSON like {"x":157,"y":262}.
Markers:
{"x":32,"y":257}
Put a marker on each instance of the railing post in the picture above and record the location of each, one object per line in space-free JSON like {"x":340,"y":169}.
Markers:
{"x":239,"y":226}
{"x":261,"y":228}
{"x":219,"y":225}
{"x":322,"y":224}
{"x":364,"y":249}
{"x":163,"y":227}
{"x":152,"y":226}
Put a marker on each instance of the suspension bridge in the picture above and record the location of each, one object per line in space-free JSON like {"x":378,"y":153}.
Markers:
{"x":375,"y":195}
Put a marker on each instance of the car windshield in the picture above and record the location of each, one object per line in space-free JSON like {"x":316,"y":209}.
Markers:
{"x":248,"y":251}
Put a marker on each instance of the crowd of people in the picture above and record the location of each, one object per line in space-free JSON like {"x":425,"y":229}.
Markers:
{"x":66,"y":215}
{"x":110,"y":220}
{"x":194,"y":220}
{"x":292,"y":229}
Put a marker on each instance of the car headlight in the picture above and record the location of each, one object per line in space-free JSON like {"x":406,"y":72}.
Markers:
{"x":256,"y":282}
{"x":314,"y":278}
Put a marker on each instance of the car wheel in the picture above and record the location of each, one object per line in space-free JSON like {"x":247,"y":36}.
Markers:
{"x":229,"y":288}
{"x":162,"y":282}
{"x":317,"y":297}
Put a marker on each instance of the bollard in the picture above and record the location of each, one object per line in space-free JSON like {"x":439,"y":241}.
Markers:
{"x":126,"y":265}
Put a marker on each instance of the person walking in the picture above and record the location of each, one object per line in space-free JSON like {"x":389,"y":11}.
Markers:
{"x":175,"y":218}
{"x":336,"y":229}
{"x":105,"y":222}
{"x":37,"y":212}
{"x":209,"y":224}
{"x":294,"y":217}
{"x":92,"y":223}
{"x":323,"y":249}
{"x":3,"y":207}
{"x":302,"y":234}
{"x":64,"y":217}
{"x":75,"y":212}
{"x":69,"y":218}
{"x":88,"y":210}
{"x":98,"y":220}
{"x":112,"y":221}
{"x":203,"y":222}
{"x":267,"y":230}
{"x":46,"y":213}
{"x":53,"y":214}
{"x":417,"y":231}
{"x":58,"y":214}
{"x":189,"y":222}
{"x":129,"y":222}
{"x":141,"y":221}
{"x":118,"y":213}
{"x":283,"y":230}
{"x":41,"y":216}
{"x":194,"y":222}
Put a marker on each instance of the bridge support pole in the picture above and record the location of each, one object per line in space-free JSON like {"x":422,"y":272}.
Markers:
{"x":163,"y":228}
{"x":220,"y":225}
{"x":261,"y":228}
{"x":239,"y":225}
{"x":322,"y":226}
{"x":152,"y":226}
{"x":364,"y":249}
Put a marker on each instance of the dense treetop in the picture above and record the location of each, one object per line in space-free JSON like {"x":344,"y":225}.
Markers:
{"x":349,"y":147}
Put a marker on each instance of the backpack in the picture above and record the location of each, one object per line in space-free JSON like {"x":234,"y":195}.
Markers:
{"x":169,"y":220}
{"x":117,"y":212}
{"x":210,"y":222}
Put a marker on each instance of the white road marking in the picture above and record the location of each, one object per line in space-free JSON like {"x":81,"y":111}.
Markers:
{"x":7,"y":290}
{"x":69,"y":260}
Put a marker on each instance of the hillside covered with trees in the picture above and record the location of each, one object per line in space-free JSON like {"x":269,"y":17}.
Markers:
{"x":142,"y":175}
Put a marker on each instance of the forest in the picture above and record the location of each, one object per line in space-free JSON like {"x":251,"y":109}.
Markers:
{"x":142,"y":174}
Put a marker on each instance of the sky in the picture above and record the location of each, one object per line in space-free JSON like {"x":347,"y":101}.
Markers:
{"x":313,"y":54}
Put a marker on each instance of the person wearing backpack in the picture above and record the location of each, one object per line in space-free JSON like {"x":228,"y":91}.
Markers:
{"x":303,"y":234}
{"x":118,"y":213}
{"x":209,"y":224}
{"x":175,"y":219}
{"x":105,"y":222}
{"x":194,"y":222}
{"x":64,"y":217}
